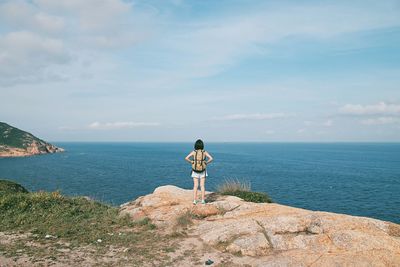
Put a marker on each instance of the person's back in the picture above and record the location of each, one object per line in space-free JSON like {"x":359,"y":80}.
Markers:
{"x":199,"y":161}
{"x":199,"y":158}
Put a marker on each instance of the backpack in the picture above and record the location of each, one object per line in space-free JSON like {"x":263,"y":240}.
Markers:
{"x":199,"y":161}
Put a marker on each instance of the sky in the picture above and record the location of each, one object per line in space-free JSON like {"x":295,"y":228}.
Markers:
{"x":223,"y":71}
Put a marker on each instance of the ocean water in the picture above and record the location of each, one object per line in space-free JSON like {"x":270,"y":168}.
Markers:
{"x":352,"y":178}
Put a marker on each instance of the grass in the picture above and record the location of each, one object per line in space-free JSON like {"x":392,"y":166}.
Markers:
{"x":7,"y":187}
{"x":232,"y":185}
{"x":242,"y":189}
{"x":75,"y":221}
{"x":185,"y":219}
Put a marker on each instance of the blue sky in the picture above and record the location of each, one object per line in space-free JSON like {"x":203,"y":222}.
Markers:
{"x":176,"y":70}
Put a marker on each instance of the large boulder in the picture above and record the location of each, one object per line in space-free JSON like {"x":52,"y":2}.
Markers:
{"x":273,"y":234}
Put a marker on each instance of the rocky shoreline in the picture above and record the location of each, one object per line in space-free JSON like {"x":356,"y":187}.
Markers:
{"x":33,"y":149}
{"x":165,"y":229}
{"x":18,"y":143}
{"x":264,"y":234}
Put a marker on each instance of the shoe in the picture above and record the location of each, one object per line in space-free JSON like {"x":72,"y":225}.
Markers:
{"x":194,"y":202}
{"x":203,"y":202}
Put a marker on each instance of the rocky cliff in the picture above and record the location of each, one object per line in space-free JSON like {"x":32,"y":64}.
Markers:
{"x":233,"y":232}
{"x":17,"y":143}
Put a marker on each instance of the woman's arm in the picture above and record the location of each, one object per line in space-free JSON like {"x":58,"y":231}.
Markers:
{"x":209,"y":158}
{"x":188,"y":157}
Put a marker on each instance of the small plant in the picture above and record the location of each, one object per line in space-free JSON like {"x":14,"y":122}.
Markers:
{"x":257,"y":197}
{"x":177,"y":234}
{"x":185,"y":219}
{"x":231,"y":185}
{"x":169,"y":249}
{"x":221,"y":210}
{"x":242,"y":189}
{"x":146,"y":222}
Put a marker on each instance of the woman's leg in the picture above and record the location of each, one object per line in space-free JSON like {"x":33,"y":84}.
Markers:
{"x":203,"y":189}
{"x":195,"y":186}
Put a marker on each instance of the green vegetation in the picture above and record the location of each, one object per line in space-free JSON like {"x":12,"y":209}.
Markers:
{"x":60,"y":223}
{"x":14,"y":137}
{"x":257,"y":197}
{"x":7,"y":187}
{"x":50,"y":213}
{"x":234,"y":187}
{"x":184,"y":220}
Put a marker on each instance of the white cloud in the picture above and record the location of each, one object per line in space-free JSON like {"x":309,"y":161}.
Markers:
{"x":328,"y":123}
{"x":255,"y":116}
{"x":120,"y":125}
{"x":380,"y":121}
{"x":38,"y":37}
{"x":25,"y":56}
{"x":270,"y":132}
{"x":381,"y":108}
{"x":198,"y":48}
{"x":100,"y":24}
{"x":300,"y":131}
{"x":92,"y":14}
{"x":209,"y":48}
{"x":109,"y":23}
{"x":22,"y":15}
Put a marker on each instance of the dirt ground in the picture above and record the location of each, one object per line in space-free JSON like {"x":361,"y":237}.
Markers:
{"x":176,"y":249}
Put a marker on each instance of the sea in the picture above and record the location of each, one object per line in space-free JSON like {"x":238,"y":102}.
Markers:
{"x":360,"y":179}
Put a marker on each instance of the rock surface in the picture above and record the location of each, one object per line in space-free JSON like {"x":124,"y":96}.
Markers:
{"x":272,"y":234}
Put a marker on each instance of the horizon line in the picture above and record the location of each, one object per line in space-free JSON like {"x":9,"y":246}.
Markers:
{"x":130,"y":141}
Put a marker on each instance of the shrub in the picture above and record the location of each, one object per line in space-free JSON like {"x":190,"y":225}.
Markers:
{"x":231,"y":185}
{"x":257,"y":197}
{"x":9,"y":187}
{"x":242,"y":189}
{"x":184,"y":220}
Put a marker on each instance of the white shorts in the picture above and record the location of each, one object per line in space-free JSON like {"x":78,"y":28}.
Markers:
{"x":199,"y":175}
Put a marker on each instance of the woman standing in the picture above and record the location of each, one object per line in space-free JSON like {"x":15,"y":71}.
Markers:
{"x":199,"y":158}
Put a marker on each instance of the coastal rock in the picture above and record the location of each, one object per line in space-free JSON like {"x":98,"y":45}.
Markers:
{"x":273,"y":234}
{"x":17,"y":143}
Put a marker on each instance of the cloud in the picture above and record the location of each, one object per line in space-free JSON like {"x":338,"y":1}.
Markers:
{"x":45,"y":40}
{"x":25,"y":55}
{"x":92,"y":14}
{"x":199,"y":47}
{"x":300,"y":131}
{"x":381,"y":108}
{"x":208,"y":48}
{"x":22,"y":15}
{"x":255,"y":116}
{"x":120,"y":125}
{"x":328,"y":123}
{"x":100,"y":24}
{"x":380,"y":121}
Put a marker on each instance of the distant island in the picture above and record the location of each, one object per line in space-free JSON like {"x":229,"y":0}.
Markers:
{"x":18,"y":143}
